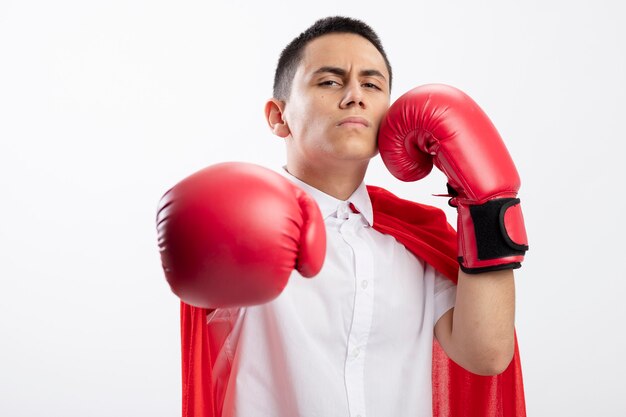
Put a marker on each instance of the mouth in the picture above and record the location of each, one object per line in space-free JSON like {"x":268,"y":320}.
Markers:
{"x":354,"y":122}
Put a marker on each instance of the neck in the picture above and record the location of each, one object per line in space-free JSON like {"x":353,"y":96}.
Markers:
{"x":337,"y":181}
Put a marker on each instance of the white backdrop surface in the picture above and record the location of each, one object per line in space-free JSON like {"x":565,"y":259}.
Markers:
{"x":105,"y":105}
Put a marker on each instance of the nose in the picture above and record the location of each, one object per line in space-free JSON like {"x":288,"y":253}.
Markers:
{"x":353,"y":96}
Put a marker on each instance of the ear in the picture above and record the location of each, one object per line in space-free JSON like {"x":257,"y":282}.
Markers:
{"x":274,"y":117}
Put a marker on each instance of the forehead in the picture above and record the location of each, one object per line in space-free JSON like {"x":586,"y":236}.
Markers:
{"x":343,"y":50}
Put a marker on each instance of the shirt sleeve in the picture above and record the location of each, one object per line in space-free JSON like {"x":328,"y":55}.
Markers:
{"x":220,"y":324}
{"x":445,"y":294}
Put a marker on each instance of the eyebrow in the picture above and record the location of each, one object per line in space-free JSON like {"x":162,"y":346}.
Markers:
{"x":341,"y":72}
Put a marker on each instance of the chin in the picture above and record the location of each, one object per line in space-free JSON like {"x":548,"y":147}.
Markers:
{"x":358,"y":155}
{"x":358,"y":148}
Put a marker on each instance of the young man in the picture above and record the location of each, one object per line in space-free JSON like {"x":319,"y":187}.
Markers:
{"x":356,"y":340}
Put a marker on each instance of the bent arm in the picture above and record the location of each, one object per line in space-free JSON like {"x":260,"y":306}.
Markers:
{"x":478,"y":333}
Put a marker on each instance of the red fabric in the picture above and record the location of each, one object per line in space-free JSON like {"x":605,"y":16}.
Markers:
{"x":456,"y":392}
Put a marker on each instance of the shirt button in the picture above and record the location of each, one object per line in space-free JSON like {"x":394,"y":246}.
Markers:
{"x":364,"y":284}
{"x":356,"y":352}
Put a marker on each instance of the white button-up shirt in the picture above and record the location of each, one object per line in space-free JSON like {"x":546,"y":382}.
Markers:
{"x":354,"y":341}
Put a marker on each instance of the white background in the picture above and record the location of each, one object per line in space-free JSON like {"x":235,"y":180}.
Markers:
{"x":105,"y":105}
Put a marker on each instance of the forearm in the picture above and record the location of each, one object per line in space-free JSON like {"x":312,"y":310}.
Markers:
{"x":482,"y":327}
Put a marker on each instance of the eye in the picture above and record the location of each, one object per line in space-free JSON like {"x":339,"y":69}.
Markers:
{"x":329,"y":83}
{"x":371,"y":85}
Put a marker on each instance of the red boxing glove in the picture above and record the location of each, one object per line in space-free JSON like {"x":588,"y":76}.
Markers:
{"x":231,"y":234}
{"x":438,"y":123}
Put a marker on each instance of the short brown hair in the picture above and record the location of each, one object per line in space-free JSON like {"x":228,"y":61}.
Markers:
{"x":292,"y":54}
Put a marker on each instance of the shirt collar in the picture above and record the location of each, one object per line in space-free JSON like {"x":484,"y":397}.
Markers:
{"x":328,"y":204}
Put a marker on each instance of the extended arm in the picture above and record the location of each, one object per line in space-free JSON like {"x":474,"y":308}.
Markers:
{"x":231,"y":234}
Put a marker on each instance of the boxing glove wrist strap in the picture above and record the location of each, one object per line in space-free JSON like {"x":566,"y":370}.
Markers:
{"x":491,"y":235}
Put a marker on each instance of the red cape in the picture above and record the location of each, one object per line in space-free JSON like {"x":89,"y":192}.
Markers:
{"x":456,"y":392}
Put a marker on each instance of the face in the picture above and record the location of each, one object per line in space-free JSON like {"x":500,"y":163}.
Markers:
{"x":339,"y":94}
